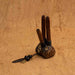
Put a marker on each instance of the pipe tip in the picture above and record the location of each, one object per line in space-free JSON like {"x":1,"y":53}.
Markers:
{"x":43,"y":15}
{"x":47,"y":18}
{"x":37,"y":30}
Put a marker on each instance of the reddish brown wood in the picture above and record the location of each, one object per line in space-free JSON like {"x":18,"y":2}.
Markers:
{"x":43,"y":27}
{"x":48,"y":29}
{"x":40,"y":36}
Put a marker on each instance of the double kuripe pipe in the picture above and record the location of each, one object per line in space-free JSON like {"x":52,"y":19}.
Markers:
{"x":46,"y":34}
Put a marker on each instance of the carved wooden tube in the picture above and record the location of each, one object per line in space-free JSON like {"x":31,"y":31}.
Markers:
{"x":40,"y":38}
{"x":48,"y":30}
{"x":43,"y":26}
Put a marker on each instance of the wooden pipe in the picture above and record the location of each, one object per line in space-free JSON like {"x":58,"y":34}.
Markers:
{"x":40,"y":38}
{"x":48,"y":30}
{"x":43,"y":26}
